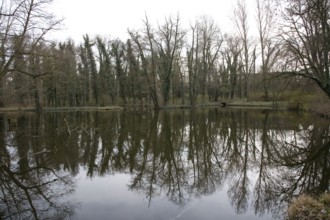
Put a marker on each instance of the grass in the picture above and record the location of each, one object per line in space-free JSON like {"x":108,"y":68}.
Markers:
{"x":306,"y":207}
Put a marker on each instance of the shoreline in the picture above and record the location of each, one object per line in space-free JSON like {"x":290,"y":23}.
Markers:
{"x":60,"y":109}
{"x":255,"y":105}
{"x":270,"y":105}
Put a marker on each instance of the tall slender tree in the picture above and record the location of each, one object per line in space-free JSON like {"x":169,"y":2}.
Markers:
{"x":241,"y":19}
{"x":269,"y":48}
{"x":134,"y":80}
{"x":106,"y":77}
{"x":193,"y":62}
{"x":117,"y":50}
{"x":93,"y":69}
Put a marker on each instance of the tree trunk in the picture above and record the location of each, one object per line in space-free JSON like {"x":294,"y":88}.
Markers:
{"x":36,"y":96}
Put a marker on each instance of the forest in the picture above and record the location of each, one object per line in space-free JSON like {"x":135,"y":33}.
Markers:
{"x":285,"y":59}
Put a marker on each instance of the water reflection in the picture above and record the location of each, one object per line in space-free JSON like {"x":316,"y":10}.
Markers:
{"x":30,"y":187}
{"x":264,"y":158}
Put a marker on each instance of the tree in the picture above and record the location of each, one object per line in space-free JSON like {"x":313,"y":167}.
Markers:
{"x":134,"y":79}
{"x":169,"y":43}
{"x":117,"y":51}
{"x":23,"y":26}
{"x":148,"y":58}
{"x":269,"y":48}
{"x":83,"y":70}
{"x":34,"y":69}
{"x":233,"y":67}
{"x":306,"y":33}
{"x":106,"y":77}
{"x":92,"y":68}
{"x":241,"y":22}
{"x":71,"y":73}
{"x":210,"y":42}
{"x":62,"y":84}
{"x":192,"y":64}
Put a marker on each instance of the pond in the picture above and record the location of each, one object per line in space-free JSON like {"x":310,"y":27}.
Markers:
{"x":178,"y":164}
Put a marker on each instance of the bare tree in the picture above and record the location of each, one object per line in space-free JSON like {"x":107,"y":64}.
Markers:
{"x":93,"y":68}
{"x":133,"y":76}
{"x":210,"y":43}
{"x":233,"y":67}
{"x":83,"y":69}
{"x":269,"y":47}
{"x":117,"y":51}
{"x":23,"y":26}
{"x":192,"y":64}
{"x":306,"y":34}
{"x":241,"y":23}
{"x":169,"y":42}
{"x":22,"y":22}
{"x":106,"y":75}
{"x":148,"y":58}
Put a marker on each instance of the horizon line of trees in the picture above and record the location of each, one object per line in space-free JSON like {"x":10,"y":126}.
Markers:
{"x":166,"y":64}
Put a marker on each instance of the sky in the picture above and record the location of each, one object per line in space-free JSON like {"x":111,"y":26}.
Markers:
{"x":112,"y":18}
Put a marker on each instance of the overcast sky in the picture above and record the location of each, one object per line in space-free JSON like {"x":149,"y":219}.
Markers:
{"x":111,"y":18}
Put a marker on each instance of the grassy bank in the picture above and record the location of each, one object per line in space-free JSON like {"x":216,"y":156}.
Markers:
{"x":306,"y":208}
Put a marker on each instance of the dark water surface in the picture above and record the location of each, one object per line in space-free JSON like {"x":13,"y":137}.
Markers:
{"x":182,"y":164}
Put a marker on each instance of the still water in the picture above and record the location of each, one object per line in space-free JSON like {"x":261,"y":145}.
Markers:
{"x":182,"y":164}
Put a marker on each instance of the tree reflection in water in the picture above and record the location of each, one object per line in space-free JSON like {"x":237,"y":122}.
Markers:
{"x":30,"y":187}
{"x":262,"y":158}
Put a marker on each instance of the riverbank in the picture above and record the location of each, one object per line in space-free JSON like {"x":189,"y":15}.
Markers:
{"x":306,"y":207}
{"x":230,"y":104}
{"x":59,"y":109}
{"x":322,"y":110}
{"x":270,"y":104}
